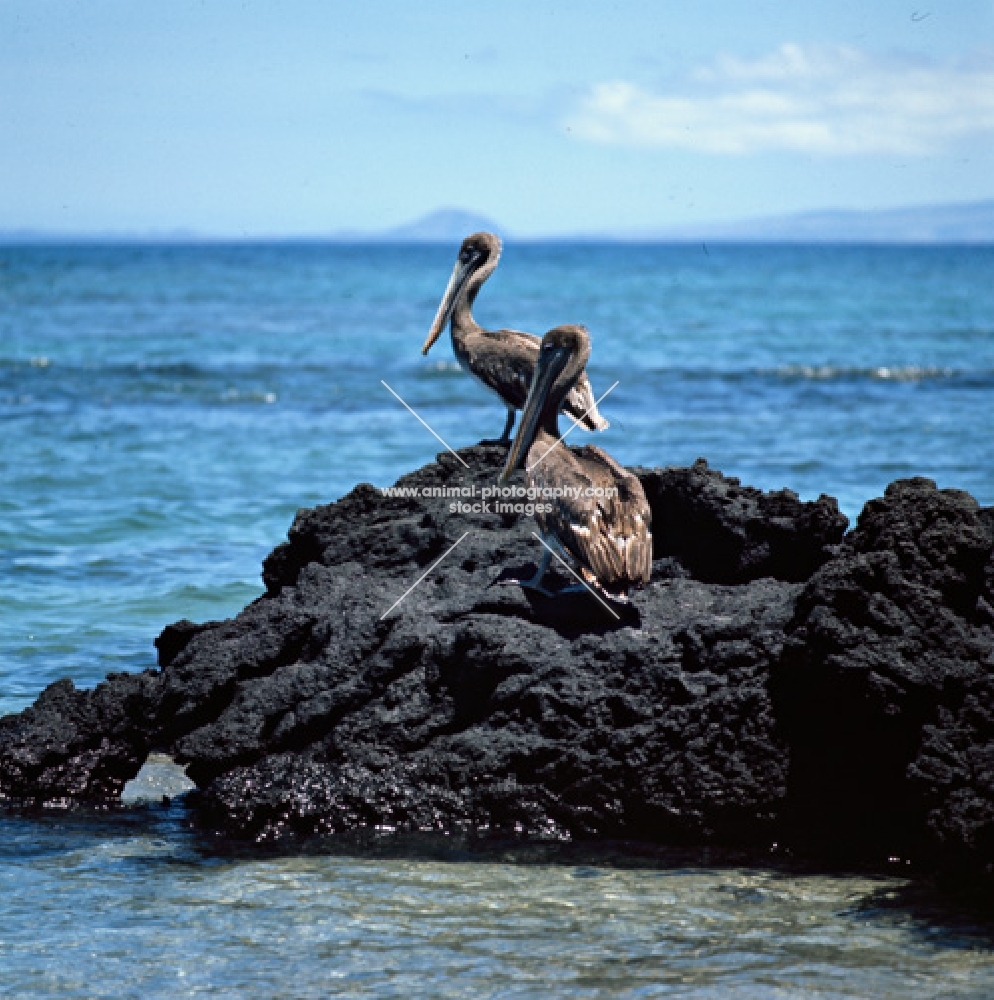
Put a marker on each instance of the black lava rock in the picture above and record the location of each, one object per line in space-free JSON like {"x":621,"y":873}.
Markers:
{"x":723,"y":532}
{"x":76,"y":746}
{"x":884,"y":690}
{"x":774,"y":681}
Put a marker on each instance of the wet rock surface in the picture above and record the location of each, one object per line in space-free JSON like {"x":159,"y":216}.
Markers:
{"x":775,"y":681}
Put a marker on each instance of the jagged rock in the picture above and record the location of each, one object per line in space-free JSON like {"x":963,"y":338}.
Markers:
{"x":884,"y":689}
{"x":723,"y":532}
{"x":477,"y":715}
{"x":774,"y":681}
{"x":76,"y":746}
{"x":174,"y":639}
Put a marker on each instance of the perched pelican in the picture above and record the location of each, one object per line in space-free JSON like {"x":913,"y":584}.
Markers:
{"x":603,"y":521}
{"x":503,"y":360}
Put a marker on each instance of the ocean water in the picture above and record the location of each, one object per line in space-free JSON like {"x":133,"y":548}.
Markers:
{"x":134,"y":906}
{"x":164,"y":410}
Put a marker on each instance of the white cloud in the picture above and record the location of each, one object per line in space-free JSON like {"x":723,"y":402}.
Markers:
{"x":832,"y":101}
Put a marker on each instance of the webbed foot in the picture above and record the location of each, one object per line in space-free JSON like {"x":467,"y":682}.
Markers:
{"x":529,"y":584}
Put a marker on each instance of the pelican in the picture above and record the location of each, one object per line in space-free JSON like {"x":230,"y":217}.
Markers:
{"x":503,"y":360}
{"x":604,"y":521}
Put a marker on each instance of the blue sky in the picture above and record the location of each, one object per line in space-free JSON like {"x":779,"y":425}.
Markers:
{"x":242,"y":118}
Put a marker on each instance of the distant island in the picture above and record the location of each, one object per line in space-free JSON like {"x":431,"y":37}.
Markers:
{"x":971,"y":222}
{"x":964,"y":223}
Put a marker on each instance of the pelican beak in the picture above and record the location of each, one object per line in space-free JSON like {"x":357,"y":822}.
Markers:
{"x":460,"y":273}
{"x":549,"y":368}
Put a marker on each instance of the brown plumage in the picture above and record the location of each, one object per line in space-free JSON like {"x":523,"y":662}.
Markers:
{"x":502,"y":360}
{"x":602,"y":518}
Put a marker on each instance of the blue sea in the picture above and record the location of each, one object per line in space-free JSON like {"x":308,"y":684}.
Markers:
{"x":165,"y":410}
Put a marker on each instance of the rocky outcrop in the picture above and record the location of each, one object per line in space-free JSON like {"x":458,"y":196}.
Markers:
{"x":76,"y":746}
{"x":774,"y":681}
{"x":885,"y":690}
{"x":723,"y":532}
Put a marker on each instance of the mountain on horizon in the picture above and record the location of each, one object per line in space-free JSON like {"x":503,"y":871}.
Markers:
{"x":444,"y":225}
{"x":965,"y":223}
{"x":970,"y":222}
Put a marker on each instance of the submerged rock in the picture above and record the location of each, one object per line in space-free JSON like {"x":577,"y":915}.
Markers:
{"x":160,"y":779}
{"x":774,"y":681}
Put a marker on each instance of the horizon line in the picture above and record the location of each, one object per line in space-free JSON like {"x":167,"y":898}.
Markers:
{"x":42,"y":239}
{"x":442,"y":226}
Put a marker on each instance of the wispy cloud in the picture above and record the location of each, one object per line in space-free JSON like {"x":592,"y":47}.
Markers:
{"x":828,"y":100}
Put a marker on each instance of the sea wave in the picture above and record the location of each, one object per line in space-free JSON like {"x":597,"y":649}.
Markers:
{"x":180,"y":369}
{"x":810,"y":373}
{"x":883,"y":373}
{"x":271,"y":375}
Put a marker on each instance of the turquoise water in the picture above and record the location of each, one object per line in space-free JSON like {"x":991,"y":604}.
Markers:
{"x":165,"y":410}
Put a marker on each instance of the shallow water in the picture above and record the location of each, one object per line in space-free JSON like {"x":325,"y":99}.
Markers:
{"x":91,"y":904}
{"x":165,"y":410}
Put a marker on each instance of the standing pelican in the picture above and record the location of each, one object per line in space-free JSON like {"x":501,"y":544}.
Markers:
{"x":503,"y":360}
{"x":603,"y":520}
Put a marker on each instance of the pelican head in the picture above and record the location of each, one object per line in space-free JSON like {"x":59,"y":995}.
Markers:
{"x":481,"y":250}
{"x":562,"y":357}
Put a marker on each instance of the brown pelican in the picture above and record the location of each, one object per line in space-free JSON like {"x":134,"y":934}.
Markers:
{"x":603,"y":520}
{"x":503,"y":360}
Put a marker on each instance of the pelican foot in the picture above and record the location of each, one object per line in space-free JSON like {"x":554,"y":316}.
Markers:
{"x":505,"y":438}
{"x":623,"y":600}
{"x":529,"y":584}
{"x":533,"y":584}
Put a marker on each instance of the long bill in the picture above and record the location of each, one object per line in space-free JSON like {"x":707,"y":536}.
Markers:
{"x":457,"y":280}
{"x":549,"y":367}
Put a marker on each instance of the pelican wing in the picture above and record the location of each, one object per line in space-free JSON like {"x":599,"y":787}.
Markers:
{"x":604,"y":522}
{"x":505,"y":361}
{"x":581,"y":405}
